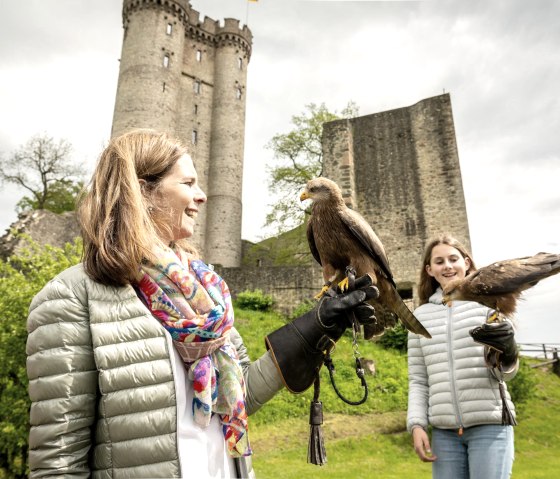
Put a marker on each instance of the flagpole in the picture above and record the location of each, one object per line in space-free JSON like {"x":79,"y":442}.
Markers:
{"x":247,"y":10}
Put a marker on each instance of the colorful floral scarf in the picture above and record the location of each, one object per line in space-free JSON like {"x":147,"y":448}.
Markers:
{"x":194,"y":304}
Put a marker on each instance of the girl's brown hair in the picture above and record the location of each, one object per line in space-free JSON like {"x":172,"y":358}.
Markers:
{"x":427,"y":284}
{"x":119,"y":220}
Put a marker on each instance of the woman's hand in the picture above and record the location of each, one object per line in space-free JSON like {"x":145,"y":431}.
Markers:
{"x":422,"y":445}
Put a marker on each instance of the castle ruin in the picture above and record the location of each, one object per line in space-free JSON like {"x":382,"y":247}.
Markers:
{"x":400,"y":169}
{"x":187,"y":77}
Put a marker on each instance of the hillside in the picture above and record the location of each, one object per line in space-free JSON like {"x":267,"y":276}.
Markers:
{"x":370,"y":440}
{"x":287,"y":249}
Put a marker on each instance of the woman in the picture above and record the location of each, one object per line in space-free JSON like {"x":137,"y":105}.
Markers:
{"x":135,"y":368}
{"x":456,"y":384}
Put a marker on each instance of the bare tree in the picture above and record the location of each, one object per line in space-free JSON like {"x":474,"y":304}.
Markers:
{"x":43,"y":167}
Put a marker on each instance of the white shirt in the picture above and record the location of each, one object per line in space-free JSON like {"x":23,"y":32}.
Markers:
{"x":202,"y":451}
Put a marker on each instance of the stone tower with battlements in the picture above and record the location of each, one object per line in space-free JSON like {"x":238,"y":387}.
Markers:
{"x":187,"y":77}
{"x":400,"y":169}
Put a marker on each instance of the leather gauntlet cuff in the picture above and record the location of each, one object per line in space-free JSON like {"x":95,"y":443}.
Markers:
{"x":297,"y":349}
{"x":495,"y":358}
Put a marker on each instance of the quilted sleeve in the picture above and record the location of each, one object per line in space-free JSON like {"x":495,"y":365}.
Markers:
{"x":417,"y":414}
{"x":262,"y":379}
{"x":62,"y":381}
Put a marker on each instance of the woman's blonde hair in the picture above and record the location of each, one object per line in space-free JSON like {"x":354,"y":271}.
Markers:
{"x":428,"y":284}
{"x":119,"y":219}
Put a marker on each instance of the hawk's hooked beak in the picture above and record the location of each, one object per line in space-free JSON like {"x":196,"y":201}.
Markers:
{"x":304,"y":196}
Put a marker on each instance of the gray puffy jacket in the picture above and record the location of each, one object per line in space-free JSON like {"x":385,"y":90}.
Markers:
{"x":450,"y":385}
{"x":101,"y":383}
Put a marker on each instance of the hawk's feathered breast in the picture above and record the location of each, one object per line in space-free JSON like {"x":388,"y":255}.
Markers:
{"x":340,"y":237}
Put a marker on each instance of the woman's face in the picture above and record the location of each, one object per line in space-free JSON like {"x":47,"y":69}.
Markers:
{"x":180,"y":195}
{"x":447,"y":263}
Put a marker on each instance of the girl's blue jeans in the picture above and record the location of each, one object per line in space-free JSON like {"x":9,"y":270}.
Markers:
{"x":482,"y":452}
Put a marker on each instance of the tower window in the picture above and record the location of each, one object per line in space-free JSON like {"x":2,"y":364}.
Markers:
{"x":163,"y":86}
{"x":240,"y":63}
{"x":195,"y":109}
{"x":194,"y":137}
{"x":166,"y":61}
{"x":169,"y":29}
{"x":238,"y":93}
{"x":196,"y":86}
{"x":198,"y":55}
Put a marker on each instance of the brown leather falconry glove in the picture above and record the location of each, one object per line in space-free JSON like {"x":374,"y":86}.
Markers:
{"x":298,"y":348}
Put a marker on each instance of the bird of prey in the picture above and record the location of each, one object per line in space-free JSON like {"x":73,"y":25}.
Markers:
{"x":499,"y":285}
{"x":339,"y":238}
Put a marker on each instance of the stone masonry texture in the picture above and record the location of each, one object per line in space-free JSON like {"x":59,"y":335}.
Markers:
{"x":187,"y":77}
{"x":400,"y":169}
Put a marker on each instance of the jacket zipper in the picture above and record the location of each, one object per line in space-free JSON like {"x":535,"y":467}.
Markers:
{"x":452,"y":370}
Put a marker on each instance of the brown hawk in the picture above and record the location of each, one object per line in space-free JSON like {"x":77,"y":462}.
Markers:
{"x":499,"y":285}
{"x":339,"y":238}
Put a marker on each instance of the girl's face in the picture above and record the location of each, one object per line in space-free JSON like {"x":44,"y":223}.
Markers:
{"x":180,"y":195}
{"x":447,"y":263}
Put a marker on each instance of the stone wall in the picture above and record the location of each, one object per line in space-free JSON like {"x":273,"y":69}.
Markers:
{"x":44,"y":227}
{"x":289,"y":286}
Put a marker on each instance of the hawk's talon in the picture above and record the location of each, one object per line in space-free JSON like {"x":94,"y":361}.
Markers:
{"x":321,"y":293}
{"x":344,"y":285}
{"x":495,"y":317}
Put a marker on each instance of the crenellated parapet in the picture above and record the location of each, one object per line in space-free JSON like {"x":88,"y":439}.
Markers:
{"x":178,"y":9}
{"x":232,"y":34}
{"x":212,"y":32}
{"x":206,"y":31}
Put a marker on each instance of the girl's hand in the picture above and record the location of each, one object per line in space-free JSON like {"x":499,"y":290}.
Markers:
{"x":422,"y":445}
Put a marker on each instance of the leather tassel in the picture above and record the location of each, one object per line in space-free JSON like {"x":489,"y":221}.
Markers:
{"x":316,"y":453}
{"x":507,"y":416}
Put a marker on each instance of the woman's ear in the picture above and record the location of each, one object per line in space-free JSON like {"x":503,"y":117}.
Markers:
{"x":467,"y":264}
{"x":429,"y":270}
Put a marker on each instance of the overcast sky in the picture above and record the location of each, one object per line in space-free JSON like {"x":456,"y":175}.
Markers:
{"x":498,"y":59}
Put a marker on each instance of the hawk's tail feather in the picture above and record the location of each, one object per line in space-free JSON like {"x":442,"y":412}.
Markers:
{"x":408,"y":319}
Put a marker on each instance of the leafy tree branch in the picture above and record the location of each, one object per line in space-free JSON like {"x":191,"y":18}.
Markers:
{"x":298,"y":158}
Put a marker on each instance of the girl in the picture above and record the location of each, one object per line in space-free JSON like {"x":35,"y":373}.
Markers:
{"x":456,"y":384}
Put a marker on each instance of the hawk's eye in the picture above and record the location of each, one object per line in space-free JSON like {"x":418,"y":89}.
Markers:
{"x":313,"y":189}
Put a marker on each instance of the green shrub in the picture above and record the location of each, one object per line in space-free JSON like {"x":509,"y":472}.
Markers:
{"x":395,"y":338}
{"x":255,"y":300}
{"x":522,"y":387}
{"x":21,"y":277}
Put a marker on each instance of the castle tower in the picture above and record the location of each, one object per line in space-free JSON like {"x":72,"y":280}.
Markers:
{"x":400,"y":169}
{"x":187,"y":77}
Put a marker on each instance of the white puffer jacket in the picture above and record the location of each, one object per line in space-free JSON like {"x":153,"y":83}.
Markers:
{"x":450,"y":385}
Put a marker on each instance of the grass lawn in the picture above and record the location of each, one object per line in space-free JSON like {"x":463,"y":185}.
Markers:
{"x":370,"y":441}
{"x":375,"y":445}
